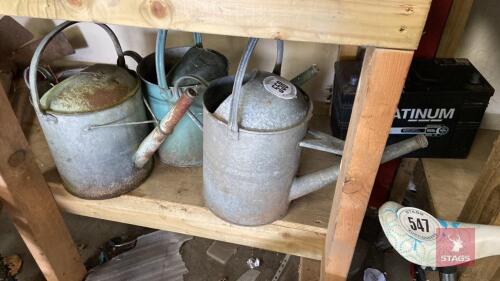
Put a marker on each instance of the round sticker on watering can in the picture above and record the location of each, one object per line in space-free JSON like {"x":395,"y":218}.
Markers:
{"x":418,"y":224}
{"x":280,"y":87}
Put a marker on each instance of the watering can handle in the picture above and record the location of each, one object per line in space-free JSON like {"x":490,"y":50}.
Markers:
{"x":161,"y":39}
{"x":35,"y":97}
{"x":279,"y":57}
{"x":240,"y":73}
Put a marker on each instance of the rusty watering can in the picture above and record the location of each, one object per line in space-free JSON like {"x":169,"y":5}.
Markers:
{"x":251,"y":149}
{"x":190,"y":67}
{"x":94,"y":122}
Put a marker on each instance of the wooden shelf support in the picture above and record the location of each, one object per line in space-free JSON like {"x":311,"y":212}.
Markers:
{"x":388,"y":24}
{"x":30,"y":204}
{"x":483,"y":207}
{"x":381,"y":82}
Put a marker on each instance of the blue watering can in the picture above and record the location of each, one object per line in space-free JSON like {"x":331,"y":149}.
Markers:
{"x":180,"y":67}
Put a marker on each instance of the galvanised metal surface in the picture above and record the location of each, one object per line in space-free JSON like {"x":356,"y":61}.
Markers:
{"x":247,"y":180}
{"x":96,"y":87}
{"x":98,"y":163}
{"x":184,"y":146}
{"x":261,"y":111}
{"x":249,"y":176}
{"x":94,"y":162}
{"x":165,"y":128}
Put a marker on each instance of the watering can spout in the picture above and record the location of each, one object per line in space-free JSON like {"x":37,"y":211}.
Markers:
{"x":314,"y":181}
{"x":165,"y":127}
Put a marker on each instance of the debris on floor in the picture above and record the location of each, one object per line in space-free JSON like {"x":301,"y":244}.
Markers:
{"x":13,"y":263}
{"x":222,"y":251}
{"x":5,"y":271}
{"x":253,"y":262}
{"x":250,"y":275}
{"x":203,"y":268}
{"x":372,"y":274}
{"x":283,"y":264}
{"x":155,"y":257}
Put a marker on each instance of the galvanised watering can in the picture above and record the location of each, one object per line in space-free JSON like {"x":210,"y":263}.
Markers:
{"x":190,"y":67}
{"x":93,"y":122}
{"x":252,"y":146}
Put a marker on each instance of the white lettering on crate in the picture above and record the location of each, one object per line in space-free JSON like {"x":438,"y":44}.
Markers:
{"x":425,"y":114}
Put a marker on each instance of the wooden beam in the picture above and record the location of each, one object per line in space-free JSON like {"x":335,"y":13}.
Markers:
{"x":455,"y":26}
{"x":309,"y":270}
{"x":390,"y":24}
{"x":30,"y":203}
{"x":483,"y":207}
{"x":380,"y":85}
{"x":347,"y":52}
{"x":402,"y":179}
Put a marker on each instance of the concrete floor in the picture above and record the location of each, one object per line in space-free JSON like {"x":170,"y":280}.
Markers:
{"x":90,"y":234}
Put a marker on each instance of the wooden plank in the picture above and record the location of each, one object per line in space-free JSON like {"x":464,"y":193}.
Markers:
{"x":309,"y":270}
{"x":484,"y":190}
{"x":380,"y":85}
{"x":171,"y":199}
{"x":30,"y":204}
{"x":347,"y":52}
{"x":455,"y":25}
{"x":483,"y":206}
{"x":450,"y":181}
{"x":391,"y":24}
{"x":402,"y":179}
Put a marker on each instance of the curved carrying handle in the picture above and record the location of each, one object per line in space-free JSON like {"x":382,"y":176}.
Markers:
{"x":41,"y":47}
{"x":240,"y":73}
{"x":161,"y":39}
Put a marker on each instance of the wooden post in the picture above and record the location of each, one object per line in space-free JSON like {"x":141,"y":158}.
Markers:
{"x":380,"y":85}
{"x":347,"y":52}
{"x":454,"y":28}
{"x":402,"y":179}
{"x":30,"y":203}
{"x":483,"y":207}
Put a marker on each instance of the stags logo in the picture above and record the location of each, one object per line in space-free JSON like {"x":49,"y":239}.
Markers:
{"x":455,"y":246}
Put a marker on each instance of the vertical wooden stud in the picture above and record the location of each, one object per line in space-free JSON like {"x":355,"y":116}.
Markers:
{"x":30,"y":203}
{"x":347,"y":52}
{"x":380,"y":85}
{"x":483,"y":207}
{"x":454,"y":28}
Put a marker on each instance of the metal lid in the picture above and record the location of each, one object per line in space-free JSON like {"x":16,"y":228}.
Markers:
{"x":268,"y":103}
{"x":95,"y":88}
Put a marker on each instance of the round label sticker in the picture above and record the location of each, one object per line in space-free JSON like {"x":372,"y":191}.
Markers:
{"x":280,"y":87}
{"x":418,"y":224}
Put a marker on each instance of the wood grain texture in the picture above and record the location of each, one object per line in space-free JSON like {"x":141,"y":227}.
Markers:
{"x":483,"y":207}
{"x":402,"y":179}
{"x":389,"y":23}
{"x":309,"y":270}
{"x":347,"y":52}
{"x":450,"y":181}
{"x":171,"y":199}
{"x":454,"y":28}
{"x":380,"y":85}
{"x":30,"y":204}
{"x":449,"y":184}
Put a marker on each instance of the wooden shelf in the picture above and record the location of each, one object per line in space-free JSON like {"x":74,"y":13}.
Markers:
{"x":390,"y":24}
{"x":449,"y":181}
{"x":170,"y":199}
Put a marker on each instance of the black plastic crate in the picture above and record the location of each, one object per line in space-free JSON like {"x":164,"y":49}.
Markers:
{"x":445,"y":99}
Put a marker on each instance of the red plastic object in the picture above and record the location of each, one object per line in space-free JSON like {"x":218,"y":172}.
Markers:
{"x":383,"y":183}
{"x":433,"y":29}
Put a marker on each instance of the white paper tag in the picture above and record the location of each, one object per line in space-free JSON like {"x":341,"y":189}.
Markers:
{"x":280,"y":87}
{"x":418,"y":224}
